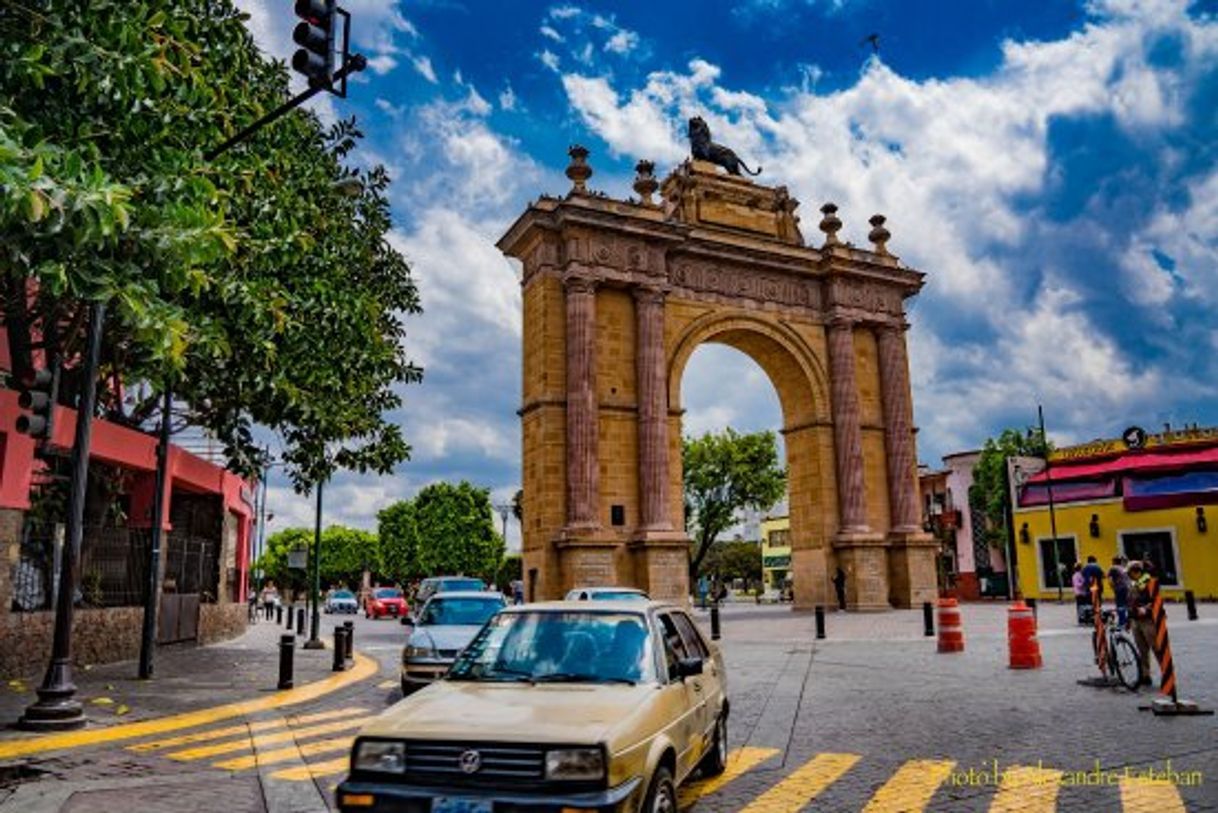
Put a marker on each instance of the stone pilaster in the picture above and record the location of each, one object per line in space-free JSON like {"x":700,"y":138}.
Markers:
{"x":582,"y":464}
{"x":653,"y":410}
{"x":847,"y":435}
{"x":898,"y":429}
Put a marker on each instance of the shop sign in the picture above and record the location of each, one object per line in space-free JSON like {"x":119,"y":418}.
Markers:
{"x":1135,"y":438}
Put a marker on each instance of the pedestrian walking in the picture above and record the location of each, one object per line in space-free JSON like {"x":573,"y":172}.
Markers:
{"x":518,"y":591}
{"x":1082,"y":601}
{"x":1140,"y":618}
{"x":839,"y":586}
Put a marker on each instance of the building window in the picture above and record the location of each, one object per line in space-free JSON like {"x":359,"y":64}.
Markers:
{"x":1066,"y":557}
{"x":1156,"y":547}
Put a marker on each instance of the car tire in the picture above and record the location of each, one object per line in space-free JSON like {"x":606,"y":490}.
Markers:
{"x":715,"y":760}
{"x":662,"y":795}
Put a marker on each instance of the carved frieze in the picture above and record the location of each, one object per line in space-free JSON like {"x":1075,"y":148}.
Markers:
{"x":864,"y":295}
{"x":735,"y":281}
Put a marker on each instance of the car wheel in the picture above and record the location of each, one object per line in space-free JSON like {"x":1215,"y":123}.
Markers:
{"x":715,"y":760}
{"x":662,"y":795}
{"x":407,"y":688}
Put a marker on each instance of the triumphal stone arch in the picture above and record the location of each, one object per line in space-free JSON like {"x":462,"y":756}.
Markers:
{"x":618,"y":294}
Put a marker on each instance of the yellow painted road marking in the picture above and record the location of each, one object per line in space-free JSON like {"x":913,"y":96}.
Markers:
{"x":331,"y":767}
{"x":911,"y":787}
{"x":290,"y":735}
{"x":387,"y":684}
{"x":247,"y":728}
{"x":1027,"y":790}
{"x":739,"y":761}
{"x":364,"y":668}
{"x":803,"y":785}
{"x":284,"y":754}
{"x":1150,"y":796}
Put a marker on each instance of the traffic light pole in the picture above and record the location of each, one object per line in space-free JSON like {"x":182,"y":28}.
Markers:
{"x":356,"y":63}
{"x":55,"y":709}
{"x":314,"y":641}
{"x":152,"y":598}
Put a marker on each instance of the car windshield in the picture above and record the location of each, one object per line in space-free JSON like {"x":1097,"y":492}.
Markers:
{"x":453,"y":585}
{"x":616,"y":595}
{"x":459,"y":611}
{"x":342,"y":594}
{"x":560,"y":647}
{"x":388,"y":593}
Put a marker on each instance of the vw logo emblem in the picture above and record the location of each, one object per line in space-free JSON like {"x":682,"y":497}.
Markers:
{"x":470,"y":761}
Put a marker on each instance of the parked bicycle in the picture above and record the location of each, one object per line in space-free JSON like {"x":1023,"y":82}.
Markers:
{"x":1121,"y":652}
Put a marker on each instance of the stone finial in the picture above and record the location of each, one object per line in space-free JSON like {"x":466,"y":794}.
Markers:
{"x":645,"y":182}
{"x":830,"y":224}
{"x":879,"y":235}
{"x":578,"y":170}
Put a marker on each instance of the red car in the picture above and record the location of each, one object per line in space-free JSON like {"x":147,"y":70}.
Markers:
{"x":386,"y":601}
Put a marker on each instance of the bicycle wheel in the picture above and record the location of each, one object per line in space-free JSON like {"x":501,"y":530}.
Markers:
{"x":1125,"y":658}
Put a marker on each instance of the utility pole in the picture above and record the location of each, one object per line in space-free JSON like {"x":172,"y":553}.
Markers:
{"x":1044,"y":442}
{"x":314,"y":641}
{"x":152,"y":598}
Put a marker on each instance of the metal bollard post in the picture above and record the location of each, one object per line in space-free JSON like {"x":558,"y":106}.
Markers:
{"x":1191,"y":601}
{"x":287,"y":649}
{"x":349,"y":626}
{"x":928,"y":619}
{"x":300,"y":625}
{"x":340,"y":649}
{"x":278,"y":613}
{"x":820,"y":622}
{"x":715,"y":621}
{"x":291,"y":616}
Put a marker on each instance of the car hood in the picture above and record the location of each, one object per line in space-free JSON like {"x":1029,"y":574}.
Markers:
{"x":512,"y":712}
{"x":445,"y":636}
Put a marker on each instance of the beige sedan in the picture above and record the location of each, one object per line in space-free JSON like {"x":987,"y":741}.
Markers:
{"x":566,"y":706}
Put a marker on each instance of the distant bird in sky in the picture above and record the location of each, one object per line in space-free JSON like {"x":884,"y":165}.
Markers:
{"x":874,"y":39}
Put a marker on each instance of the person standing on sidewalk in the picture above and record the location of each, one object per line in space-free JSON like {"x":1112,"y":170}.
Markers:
{"x":1140,"y":618}
{"x":1081,"y":600}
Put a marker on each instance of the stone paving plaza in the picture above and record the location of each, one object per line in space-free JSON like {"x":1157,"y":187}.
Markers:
{"x":870,"y":719}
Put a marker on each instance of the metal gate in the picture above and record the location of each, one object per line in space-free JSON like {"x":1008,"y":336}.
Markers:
{"x":191,"y":578}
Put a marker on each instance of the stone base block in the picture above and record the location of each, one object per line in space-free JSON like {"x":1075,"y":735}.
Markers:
{"x":911,"y":569}
{"x":586,"y":560}
{"x":863,"y":557}
{"x":661,"y":565}
{"x":809,"y":571}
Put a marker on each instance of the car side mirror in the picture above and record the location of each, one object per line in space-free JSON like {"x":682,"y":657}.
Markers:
{"x":689,"y":667}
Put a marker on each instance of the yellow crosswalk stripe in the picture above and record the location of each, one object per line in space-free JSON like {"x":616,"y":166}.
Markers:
{"x":284,"y":754}
{"x":911,"y":787}
{"x":314,"y":770}
{"x":387,"y":684}
{"x":1027,"y":790}
{"x":236,"y":730}
{"x":803,"y":785}
{"x":1150,"y":796}
{"x":739,"y":761}
{"x":268,"y":739}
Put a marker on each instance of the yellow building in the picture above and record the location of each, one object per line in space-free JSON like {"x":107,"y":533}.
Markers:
{"x":1143,"y":496}
{"x":776,"y":552}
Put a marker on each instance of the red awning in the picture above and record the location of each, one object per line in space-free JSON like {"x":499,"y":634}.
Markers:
{"x":1129,"y":462}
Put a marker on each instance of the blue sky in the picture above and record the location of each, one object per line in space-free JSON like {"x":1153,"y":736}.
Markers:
{"x":1052,"y":167}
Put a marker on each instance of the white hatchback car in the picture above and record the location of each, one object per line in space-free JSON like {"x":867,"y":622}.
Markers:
{"x":606,"y":594}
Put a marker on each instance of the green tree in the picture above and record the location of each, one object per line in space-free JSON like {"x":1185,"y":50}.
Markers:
{"x":455,"y":529}
{"x":726,"y":472}
{"x":252,"y":282}
{"x":736,"y":559}
{"x":989,"y":493}
{"x":399,"y":539}
{"x":344,"y":553}
{"x":510,"y":569}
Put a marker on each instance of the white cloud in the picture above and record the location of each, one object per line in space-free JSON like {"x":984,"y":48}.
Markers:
{"x":565,"y":12}
{"x":422,"y":64}
{"x":382,"y":64}
{"x":622,"y":42}
{"x":507,"y":98}
{"x":549,"y":59}
{"x":549,"y":32}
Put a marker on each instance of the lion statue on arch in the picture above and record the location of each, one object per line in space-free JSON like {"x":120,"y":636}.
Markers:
{"x":703,"y":149}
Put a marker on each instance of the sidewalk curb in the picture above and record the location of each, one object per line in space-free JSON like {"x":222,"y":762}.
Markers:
{"x":364,"y":668}
{"x":50,"y":797}
{"x":287,"y":797}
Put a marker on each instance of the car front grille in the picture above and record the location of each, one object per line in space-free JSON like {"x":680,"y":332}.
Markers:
{"x":500,"y":763}
{"x":448,"y":653}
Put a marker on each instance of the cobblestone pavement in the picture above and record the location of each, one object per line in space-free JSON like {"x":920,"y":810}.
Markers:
{"x":871,"y":719}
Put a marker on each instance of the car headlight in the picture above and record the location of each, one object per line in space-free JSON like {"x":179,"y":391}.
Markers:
{"x":575,"y":763}
{"x":419,"y":652}
{"x":380,"y":755}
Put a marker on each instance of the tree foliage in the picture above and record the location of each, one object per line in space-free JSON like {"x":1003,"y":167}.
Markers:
{"x":735,"y":559}
{"x":345,"y":552}
{"x":726,"y":472}
{"x":989,"y":492}
{"x":447,"y":529}
{"x":262,"y":291}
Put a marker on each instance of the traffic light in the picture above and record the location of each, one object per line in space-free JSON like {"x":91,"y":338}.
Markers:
{"x":37,"y":397}
{"x":315,"y":36}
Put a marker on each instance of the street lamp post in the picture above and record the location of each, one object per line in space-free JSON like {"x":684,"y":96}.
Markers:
{"x":55,"y":709}
{"x":314,"y":641}
{"x":1044,"y":442}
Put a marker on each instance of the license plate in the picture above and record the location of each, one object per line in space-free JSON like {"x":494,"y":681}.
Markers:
{"x":393,"y":610}
{"x":457,"y":804}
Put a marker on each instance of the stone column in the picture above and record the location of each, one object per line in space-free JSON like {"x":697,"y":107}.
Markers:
{"x":847,"y":435}
{"x":898,"y":429}
{"x":582,"y":464}
{"x":653,"y":410}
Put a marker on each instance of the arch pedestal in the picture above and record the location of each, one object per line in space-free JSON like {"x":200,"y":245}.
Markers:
{"x":618,"y":295}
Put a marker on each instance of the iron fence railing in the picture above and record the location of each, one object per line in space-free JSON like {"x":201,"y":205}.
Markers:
{"x":113,"y":566}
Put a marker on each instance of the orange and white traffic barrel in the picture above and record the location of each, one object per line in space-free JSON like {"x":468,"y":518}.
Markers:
{"x":951,"y":634}
{"x":1021,"y":637}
